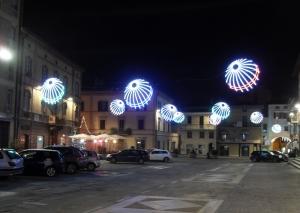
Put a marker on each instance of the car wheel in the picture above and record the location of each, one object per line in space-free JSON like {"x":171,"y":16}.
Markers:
{"x":166,"y":159}
{"x":71,"y":168}
{"x":141,"y":161}
{"x":113,"y":160}
{"x":91,"y":167}
{"x":50,"y":171}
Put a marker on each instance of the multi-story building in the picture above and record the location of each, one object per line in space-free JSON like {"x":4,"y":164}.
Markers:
{"x":9,"y":36}
{"x":142,"y":128}
{"x":197,"y":133}
{"x":278,"y":114}
{"x":237,"y":135}
{"x":41,"y":124}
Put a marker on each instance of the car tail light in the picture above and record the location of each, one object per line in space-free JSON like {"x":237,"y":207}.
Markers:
{"x":11,"y":163}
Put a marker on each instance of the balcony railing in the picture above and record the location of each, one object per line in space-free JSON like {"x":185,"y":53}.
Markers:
{"x":237,"y":140}
{"x":197,"y":127}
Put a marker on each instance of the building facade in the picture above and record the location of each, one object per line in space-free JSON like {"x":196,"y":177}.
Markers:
{"x":9,"y":37}
{"x":197,"y":133}
{"x":142,"y":128}
{"x":237,"y":135}
{"x":41,"y":124}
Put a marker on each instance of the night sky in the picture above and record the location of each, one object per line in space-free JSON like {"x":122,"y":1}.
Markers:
{"x":183,"y":48}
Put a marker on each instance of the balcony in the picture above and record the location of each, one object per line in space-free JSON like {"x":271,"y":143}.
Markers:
{"x":237,"y":140}
{"x":197,"y":127}
{"x":64,"y":122}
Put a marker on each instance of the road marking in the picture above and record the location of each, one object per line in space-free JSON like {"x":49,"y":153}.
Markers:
{"x":157,"y":167}
{"x":158,"y":204}
{"x":5,"y":194}
{"x":174,"y":182}
{"x":34,"y":203}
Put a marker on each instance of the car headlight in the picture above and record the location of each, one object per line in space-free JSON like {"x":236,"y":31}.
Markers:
{"x":280,"y":156}
{"x":109,"y":155}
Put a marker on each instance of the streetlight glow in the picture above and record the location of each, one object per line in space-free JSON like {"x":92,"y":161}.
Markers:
{"x":297,"y":106}
{"x":5,"y":54}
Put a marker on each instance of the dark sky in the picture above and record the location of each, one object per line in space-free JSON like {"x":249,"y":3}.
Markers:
{"x":183,"y":48}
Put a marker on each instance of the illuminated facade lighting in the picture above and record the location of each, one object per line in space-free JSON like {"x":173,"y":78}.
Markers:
{"x":222,"y":109}
{"x":178,"y":117}
{"x":138,"y":93}
{"x":167,"y":112}
{"x":215,"y":119}
{"x":52,"y":91}
{"x":241,"y":75}
{"x":256,"y":117}
{"x":117,"y":107}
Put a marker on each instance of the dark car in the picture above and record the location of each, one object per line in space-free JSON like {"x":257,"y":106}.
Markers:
{"x":257,"y":156}
{"x":74,"y":159}
{"x":282,"y":156}
{"x":42,"y":161}
{"x":129,"y":155}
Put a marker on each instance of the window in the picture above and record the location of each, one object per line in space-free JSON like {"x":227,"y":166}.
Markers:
{"x":26,"y":102}
{"x":286,"y":128}
{"x":44,"y":73}
{"x":200,"y":149}
{"x":211,"y":135}
{"x":189,"y":119}
{"x":9,"y":99}
{"x":164,"y":126}
{"x":141,"y":124}
{"x":102,"y":124}
{"x":43,"y":107}
{"x":102,"y":106}
{"x":285,"y":107}
{"x":65,"y":82}
{"x":82,"y":106}
{"x":76,"y":89}
{"x":189,"y":134}
{"x":277,"y":107}
{"x":64,"y":109}
{"x":158,"y":104}
{"x":55,"y":74}
{"x":158,"y":124}
{"x":244,"y":136}
{"x":265,"y":127}
{"x":201,"y":121}
{"x":121,"y":124}
{"x":28,"y":66}
{"x":245,"y":121}
{"x":201,"y":134}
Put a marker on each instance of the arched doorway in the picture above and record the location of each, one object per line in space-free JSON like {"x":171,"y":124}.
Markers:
{"x":280,"y":143}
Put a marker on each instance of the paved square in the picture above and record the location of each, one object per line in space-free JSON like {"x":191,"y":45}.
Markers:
{"x":157,"y":204}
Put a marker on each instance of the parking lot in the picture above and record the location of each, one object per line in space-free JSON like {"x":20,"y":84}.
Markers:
{"x":185,"y":185}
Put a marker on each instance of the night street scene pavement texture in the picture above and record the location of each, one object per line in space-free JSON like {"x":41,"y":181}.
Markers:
{"x":185,"y":185}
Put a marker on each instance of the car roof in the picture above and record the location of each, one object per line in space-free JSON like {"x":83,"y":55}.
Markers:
{"x":160,"y":150}
{"x":40,"y":150}
{"x":7,"y":149}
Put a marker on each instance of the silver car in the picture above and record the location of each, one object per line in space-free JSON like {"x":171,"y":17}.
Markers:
{"x":11,"y":163}
{"x":93,"y":161}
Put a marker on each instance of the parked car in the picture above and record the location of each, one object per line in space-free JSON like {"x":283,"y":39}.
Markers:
{"x":257,"y":156}
{"x":282,"y":156}
{"x":11,"y":163}
{"x":42,"y":161}
{"x":129,"y":155}
{"x":74,"y":159}
{"x":93,"y":160}
{"x":160,"y":155}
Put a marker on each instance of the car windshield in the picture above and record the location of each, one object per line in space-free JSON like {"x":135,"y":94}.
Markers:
{"x":12,"y":154}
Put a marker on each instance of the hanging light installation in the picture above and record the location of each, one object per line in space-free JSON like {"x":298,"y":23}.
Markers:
{"x":117,"y":107}
{"x":222,"y":109}
{"x":215,"y":119}
{"x":178,"y":117}
{"x":256,"y":117}
{"x":242,"y":75}
{"x":52,"y":91}
{"x":138,"y":93}
{"x":276,"y":128}
{"x":167,"y":112}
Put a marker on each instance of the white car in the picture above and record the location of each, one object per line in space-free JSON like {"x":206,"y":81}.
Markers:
{"x":11,"y":163}
{"x":160,"y":155}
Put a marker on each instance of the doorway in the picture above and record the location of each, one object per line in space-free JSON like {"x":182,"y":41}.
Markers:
{"x":244,"y":150}
{"x":4,"y":134}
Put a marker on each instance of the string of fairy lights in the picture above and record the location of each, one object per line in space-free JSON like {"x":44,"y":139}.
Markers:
{"x":241,"y":75}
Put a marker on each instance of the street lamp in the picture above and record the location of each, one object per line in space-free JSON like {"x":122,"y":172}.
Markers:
{"x":5,"y":54}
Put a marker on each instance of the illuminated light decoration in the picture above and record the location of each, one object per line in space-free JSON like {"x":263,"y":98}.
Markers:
{"x":215,"y":119}
{"x":117,"y":107}
{"x":222,"y":109}
{"x":178,"y":117}
{"x":52,"y":91}
{"x":256,"y":117}
{"x":167,"y":112}
{"x":138,"y":93}
{"x":276,"y":128}
{"x":242,"y":75}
